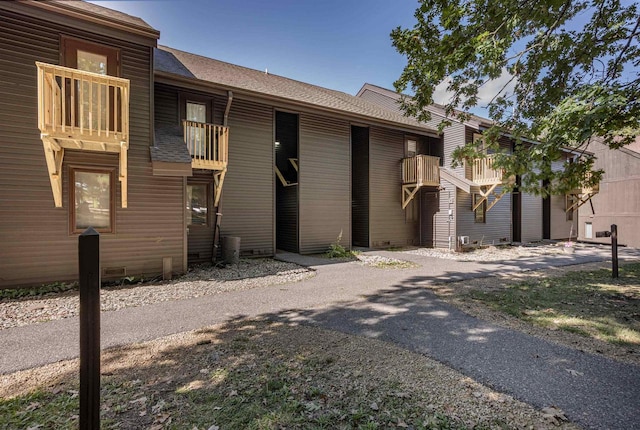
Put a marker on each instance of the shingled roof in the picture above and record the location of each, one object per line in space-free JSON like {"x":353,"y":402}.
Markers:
{"x":99,"y":14}
{"x":253,"y":82}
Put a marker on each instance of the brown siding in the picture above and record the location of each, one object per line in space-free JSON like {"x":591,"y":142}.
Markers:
{"x":388,"y":225}
{"x":325,"y":182}
{"x":497,"y":228}
{"x":618,"y":201}
{"x":36,"y":246}
{"x":247,"y":196}
{"x":166,"y":105}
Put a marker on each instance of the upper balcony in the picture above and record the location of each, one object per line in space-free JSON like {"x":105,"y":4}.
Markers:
{"x":421,"y":170}
{"x":82,"y":111}
{"x":483,"y":173}
{"x":418,"y":171}
{"x":208,"y":145}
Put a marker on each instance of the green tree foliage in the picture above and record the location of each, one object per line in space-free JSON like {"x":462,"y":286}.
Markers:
{"x":572,"y":68}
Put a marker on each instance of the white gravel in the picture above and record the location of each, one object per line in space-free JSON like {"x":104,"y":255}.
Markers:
{"x":493,"y":253}
{"x":198,"y":282}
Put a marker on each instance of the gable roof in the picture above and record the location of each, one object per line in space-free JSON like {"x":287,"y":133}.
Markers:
{"x":241,"y":80}
{"x":393,"y":99}
{"x":92,"y":12}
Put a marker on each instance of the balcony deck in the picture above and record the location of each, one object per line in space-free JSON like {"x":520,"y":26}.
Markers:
{"x":483,"y":173}
{"x":418,"y":171}
{"x":82,"y":111}
{"x":208,"y":145}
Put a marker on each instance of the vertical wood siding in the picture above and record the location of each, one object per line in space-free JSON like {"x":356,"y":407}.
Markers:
{"x":247,"y":196}
{"x":324,"y":182}
{"x":388,"y":224}
{"x":35,"y":244}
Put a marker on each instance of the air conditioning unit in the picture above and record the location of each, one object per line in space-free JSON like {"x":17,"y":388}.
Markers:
{"x":463,"y":240}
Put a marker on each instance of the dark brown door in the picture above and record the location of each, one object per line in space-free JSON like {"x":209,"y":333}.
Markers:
{"x":200,"y":220}
{"x":429,"y":206}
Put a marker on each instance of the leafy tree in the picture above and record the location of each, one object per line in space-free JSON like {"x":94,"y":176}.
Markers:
{"x":572,"y":69}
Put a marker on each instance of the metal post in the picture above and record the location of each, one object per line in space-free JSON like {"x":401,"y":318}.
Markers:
{"x":614,"y":250}
{"x":89,"y":265}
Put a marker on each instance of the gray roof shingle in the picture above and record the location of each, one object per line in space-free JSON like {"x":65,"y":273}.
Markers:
{"x":233,"y":77}
{"x":169,"y":145}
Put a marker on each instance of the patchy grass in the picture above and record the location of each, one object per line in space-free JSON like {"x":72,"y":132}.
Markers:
{"x":262,"y":375}
{"x":587,"y":303}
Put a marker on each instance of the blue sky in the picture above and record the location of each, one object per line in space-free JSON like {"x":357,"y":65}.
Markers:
{"x":337,"y":44}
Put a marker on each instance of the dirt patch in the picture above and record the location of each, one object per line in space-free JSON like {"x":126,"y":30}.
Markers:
{"x":260,"y":374}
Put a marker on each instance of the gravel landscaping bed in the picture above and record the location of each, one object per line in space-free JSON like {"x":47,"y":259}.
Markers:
{"x":494,"y":253}
{"x":198,"y":282}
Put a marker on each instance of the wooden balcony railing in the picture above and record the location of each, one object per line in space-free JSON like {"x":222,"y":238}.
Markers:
{"x":208,"y":145}
{"x":483,"y":173}
{"x":83,"y":107}
{"x":421,"y":170}
{"x":82,"y":111}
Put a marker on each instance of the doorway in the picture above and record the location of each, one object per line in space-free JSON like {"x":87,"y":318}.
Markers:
{"x":286,"y":171}
{"x":360,"y":186}
{"x":546,"y":212}
{"x":516,"y":212}
{"x":200,"y":220}
{"x":429,"y":207}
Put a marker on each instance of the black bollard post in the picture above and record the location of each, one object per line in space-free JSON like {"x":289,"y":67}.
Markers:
{"x":614,"y":250}
{"x":89,"y":266}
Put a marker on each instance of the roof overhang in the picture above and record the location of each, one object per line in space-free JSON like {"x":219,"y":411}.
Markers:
{"x":239,"y":93}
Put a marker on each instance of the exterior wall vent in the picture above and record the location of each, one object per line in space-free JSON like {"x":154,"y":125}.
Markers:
{"x":114,"y":272}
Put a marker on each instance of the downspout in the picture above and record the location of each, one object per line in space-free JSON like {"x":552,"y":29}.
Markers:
{"x":228,"y":108}
{"x":216,"y":228}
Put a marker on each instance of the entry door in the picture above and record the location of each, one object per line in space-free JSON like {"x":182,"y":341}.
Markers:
{"x":200,"y":219}
{"x":429,"y":206}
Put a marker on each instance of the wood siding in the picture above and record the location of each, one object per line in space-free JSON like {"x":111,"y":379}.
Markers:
{"x":497,"y":228}
{"x":324,"y":182}
{"x":35,"y":243}
{"x":618,"y":201}
{"x":248,"y":194}
{"x":531,"y":218}
{"x":388,"y":221}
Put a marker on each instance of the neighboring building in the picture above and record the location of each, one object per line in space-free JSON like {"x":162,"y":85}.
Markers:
{"x":463,"y":211}
{"x":618,"y":198}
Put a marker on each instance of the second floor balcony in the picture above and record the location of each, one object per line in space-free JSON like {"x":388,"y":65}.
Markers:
{"x":82,"y":110}
{"x":208,"y":145}
{"x":421,"y":170}
{"x":483,"y":173}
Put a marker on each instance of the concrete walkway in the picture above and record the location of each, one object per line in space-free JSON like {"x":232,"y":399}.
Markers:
{"x":390,"y":305}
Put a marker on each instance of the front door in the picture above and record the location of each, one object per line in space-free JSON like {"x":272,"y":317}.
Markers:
{"x":200,"y":219}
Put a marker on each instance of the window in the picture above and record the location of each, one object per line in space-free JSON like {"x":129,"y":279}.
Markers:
{"x":196,"y":135}
{"x":411,"y":147}
{"x":197,"y":204}
{"x":92,"y":200}
{"x":94,"y":103}
{"x":480,"y":214}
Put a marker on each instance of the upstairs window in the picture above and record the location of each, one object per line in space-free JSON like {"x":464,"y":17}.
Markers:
{"x":94,"y":103}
